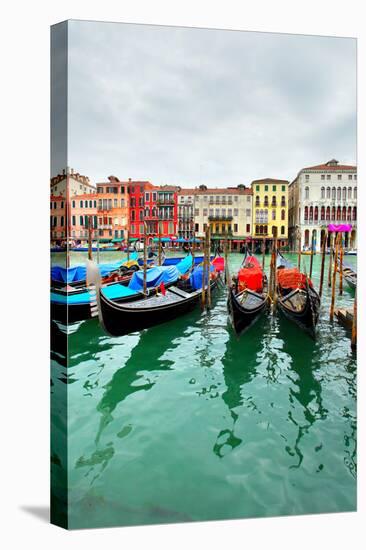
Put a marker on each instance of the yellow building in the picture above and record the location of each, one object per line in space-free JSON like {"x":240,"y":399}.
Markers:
{"x":270,"y":210}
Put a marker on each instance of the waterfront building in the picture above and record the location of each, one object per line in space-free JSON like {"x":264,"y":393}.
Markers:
{"x":167,"y":209}
{"x":228,"y":211}
{"x":319,"y":195}
{"x":113,"y":210}
{"x":185,"y":205}
{"x":137,"y":191}
{"x":73,"y":200}
{"x":270,"y":210}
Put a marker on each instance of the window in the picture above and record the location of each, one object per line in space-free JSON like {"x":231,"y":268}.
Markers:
{"x":196,"y":212}
{"x":205,"y":211}
{"x":266,"y":187}
{"x":223,"y":211}
{"x":328,"y":176}
{"x":81,"y":204}
{"x":282,"y":229}
{"x":306,"y":213}
{"x":316,"y":214}
{"x":355,"y":177}
{"x":235,"y":227}
{"x":307,"y":177}
{"x":274,"y":188}
{"x":248,"y":212}
{"x":322,"y":193}
{"x":344,"y":193}
{"x":230,"y":211}
{"x":248,"y":198}
{"x":236,"y":212}
{"x":81,"y":220}
{"x":115,"y":203}
{"x":355,"y":195}
{"x":73,"y":204}
{"x":350,"y":192}
{"x":283,"y":188}
{"x":257,"y":187}
{"x":349,"y":176}
{"x":235,"y":198}
{"x":283,"y":200}
{"x":266,"y":200}
{"x":248,"y":228}
{"x":197,"y":227}
{"x":323,"y":176}
{"x":273,"y":214}
{"x":274,"y":201}
{"x":339,"y":176}
{"x":133,"y":230}
{"x":147,"y":196}
{"x":306,"y":192}
{"x":333,"y":193}
{"x":328,"y":192}
{"x":73,"y":220}
{"x":322,"y":213}
{"x":95,"y":204}
{"x":154,"y":197}
{"x":283,"y":214}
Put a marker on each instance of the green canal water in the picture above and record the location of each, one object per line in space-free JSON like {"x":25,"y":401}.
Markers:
{"x":186,"y":422}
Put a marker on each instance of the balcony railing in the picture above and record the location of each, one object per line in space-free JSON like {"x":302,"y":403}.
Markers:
{"x":220,"y":218}
{"x":166,"y":202}
{"x":222,"y":234}
{"x":331,"y":220}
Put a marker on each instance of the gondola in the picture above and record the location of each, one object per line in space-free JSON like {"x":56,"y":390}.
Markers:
{"x":120,"y":319}
{"x":350,"y":276}
{"x":296,"y":296}
{"x":70,"y":304}
{"x":248,"y":295}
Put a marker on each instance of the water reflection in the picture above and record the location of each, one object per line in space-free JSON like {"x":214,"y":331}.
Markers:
{"x":306,"y":389}
{"x":239,"y":368}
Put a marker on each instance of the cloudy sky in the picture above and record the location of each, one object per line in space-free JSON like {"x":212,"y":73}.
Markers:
{"x":190,"y":106}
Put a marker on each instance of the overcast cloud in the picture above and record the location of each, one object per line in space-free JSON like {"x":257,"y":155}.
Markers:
{"x":190,"y":106}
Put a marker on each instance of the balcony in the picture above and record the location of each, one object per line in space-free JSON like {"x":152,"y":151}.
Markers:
{"x":222,"y":234}
{"x":220,"y":218}
{"x":166,"y":202}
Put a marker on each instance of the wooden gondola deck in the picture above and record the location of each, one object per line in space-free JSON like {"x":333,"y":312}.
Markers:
{"x":344,"y":316}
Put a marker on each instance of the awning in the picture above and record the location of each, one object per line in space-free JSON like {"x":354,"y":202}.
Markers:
{"x":133,"y":239}
{"x":117,"y":240}
{"x":105,"y":240}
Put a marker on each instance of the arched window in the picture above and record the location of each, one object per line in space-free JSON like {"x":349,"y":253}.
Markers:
{"x":306,"y":213}
{"x":257,"y":200}
{"x":90,"y":204}
{"x":147,"y":212}
{"x":261,"y":230}
{"x":333,"y":213}
{"x":306,"y":192}
{"x":322,"y":213}
{"x":73,"y":204}
{"x":339,"y":193}
{"x":344,"y":213}
{"x":355,"y":194}
{"x":316,"y":214}
{"x":273,"y":214}
{"x":338,"y":213}
{"x":257,"y":229}
{"x":349,"y":214}
{"x":81,"y":220}
{"x":344,"y":193}
{"x":265,"y":229}
{"x":266,"y":200}
{"x":81,"y":204}
{"x":350,"y":192}
{"x":333,"y":193}
{"x":328,"y":192}
{"x":274,"y":231}
{"x":327,"y":216}
{"x":283,"y":213}
{"x":322,"y":193}
{"x":282,"y":229}
{"x":283,"y":200}
{"x":311,"y":213}
{"x":354,"y":216}
{"x":62,"y":223}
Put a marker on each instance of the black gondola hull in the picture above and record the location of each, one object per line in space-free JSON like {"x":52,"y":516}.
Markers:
{"x":241,"y":317}
{"x":120,"y":320}
{"x":307,"y":317}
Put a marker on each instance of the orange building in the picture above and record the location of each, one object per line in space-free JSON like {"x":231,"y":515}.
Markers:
{"x":113,"y":209}
{"x":73,"y":199}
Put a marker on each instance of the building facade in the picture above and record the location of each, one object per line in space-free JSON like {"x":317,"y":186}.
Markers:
{"x":113,"y":210}
{"x":137,"y":190}
{"x":228,"y":211}
{"x":319,"y":195}
{"x":185,"y":202}
{"x":73,"y":202}
{"x":167,"y":209}
{"x":270,"y":210}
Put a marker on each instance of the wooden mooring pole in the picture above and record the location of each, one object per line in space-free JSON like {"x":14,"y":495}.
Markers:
{"x":299,"y":249}
{"x":90,"y":232}
{"x":128,"y":245}
{"x":334,"y":279}
{"x":263,"y":253}
{"x":354,"y":323}
{"x":145,"y":260}
{"x":208,"y":266}
{"x":275,"y":275}
{"x":322,"y":265}
{"x":331,"y":246}
{"x":341,"y":266}
{"x":311,"y":256}
{"x":159,"y":242}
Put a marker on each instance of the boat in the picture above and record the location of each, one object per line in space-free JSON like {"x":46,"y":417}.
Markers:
{"x":120,"y":319}
{"x":71,"y":304}
{"x":350,"y":276}
{"x":248,"y":295}
{"x":296,"y":296}
{"x":351,"y":252}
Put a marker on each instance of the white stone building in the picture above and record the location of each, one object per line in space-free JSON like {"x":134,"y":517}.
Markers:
{"x":318,"y":196}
